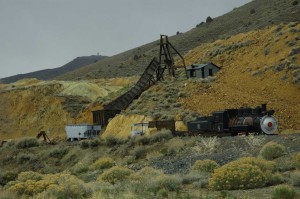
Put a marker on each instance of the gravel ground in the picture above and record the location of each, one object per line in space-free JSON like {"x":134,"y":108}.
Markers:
{"x":228,"y":149}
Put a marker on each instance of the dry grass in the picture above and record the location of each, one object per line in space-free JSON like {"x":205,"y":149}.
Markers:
{"x":206,"y":144}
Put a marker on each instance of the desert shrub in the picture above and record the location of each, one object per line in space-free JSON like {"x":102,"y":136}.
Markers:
{"x":112,"y":141}
{"x":80,"y":167}
{"x":161,"y":135}
{"x":264,"y":165}
{"x":94,"y":143}
{"x":10,"y":144}
{"x":240,"y":176}
{"x":196,"y":179}
{"x":139,"y":152}
{"x":146,"y":173}
{"x":206,"y":145}
{"x":297,"y":160}
{"x":274,"y":179}
{"x":272,"y":150}
{"x":7,"y":176}
{"x":283,"y":192}
{"x":163,"y":193}
{"x":252,"y":11}
{"x":103,"y":163}
{"x":84,"y":144}
{"x":294,"y":51}
{"x":174,"y":145}
{"x":296,"y":179}
{"x":142,"y":139}
{"x":61,"y":185}
{"x":254,"y":141}
{"x":27,"y":143}
{"x":58,"y":152}
{"x":115,"y":174}
{"x":244,"y":173}
{"x":205,"y":166}
{"x":171,"y":183}
{"x":23,"y":158}
{"x":29,"y":175}
{"x":190,"y":178}
{"x":266,"y":51}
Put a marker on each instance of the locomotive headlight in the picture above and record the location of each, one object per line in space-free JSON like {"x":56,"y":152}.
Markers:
{"x":268,"y":124}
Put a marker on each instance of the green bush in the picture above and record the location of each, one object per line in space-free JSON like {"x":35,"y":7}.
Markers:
{"x":103,"y":163}
{"x":283,"y":192}
{"x":7,"y":176}
{"x":205,"y":166}
{"x":84,"y":144}
{"x":94,"y":143}
{"x":27,"y":143}
{"x":274,"y":179}
{"x":112,"y":141}
{"x":272,"y":150}
{"x":142,"y":139}
{"x":163,"y":193}
{"x":161,"y":135}
{"x":58,"y":153}
{"x":115,"y":174}
{"x":297,"y":160}
{"x":171,"y":183}
{"x":296,"y":179}
{"x":29,"y":175}
{"x":139,"y":152}
{"x":23,"y":158}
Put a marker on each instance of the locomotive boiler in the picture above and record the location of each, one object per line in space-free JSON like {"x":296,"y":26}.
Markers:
{"x":235,"y":121}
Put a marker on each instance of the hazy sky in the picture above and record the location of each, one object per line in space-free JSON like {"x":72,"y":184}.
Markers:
{"x":40,"y":34}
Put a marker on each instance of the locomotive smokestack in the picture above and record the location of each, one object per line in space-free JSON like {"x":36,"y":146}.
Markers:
{"x":264,"y":108}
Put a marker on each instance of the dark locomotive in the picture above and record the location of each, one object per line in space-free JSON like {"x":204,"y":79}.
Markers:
{"x":235,"y":121}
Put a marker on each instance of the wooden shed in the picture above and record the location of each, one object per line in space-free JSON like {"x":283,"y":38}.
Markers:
{"x":202,"y":70}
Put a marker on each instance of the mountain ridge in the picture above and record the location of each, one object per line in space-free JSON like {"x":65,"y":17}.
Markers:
{"x":48,"y":74}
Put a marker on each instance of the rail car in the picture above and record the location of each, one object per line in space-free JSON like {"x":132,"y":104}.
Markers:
{"x":235,"y":121}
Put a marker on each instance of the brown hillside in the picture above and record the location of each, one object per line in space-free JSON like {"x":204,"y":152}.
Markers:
{"x":257,"y":67}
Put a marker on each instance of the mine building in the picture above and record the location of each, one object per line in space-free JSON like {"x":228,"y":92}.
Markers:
{"x":202,"y":70}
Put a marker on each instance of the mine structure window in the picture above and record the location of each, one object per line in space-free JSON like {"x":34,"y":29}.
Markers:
{"x":210,"y":72}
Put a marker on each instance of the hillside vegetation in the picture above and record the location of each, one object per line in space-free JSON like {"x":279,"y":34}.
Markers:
{"x":254,"y":15}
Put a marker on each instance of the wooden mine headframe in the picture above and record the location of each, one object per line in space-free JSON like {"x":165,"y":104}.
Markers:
{"x":166,"y":59}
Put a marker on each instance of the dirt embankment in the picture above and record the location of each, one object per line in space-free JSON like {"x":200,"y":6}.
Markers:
{"x":29,"y":106}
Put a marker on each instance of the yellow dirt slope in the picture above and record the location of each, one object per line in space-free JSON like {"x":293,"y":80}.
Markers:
{"x":30,"y":105}
{"x":120,"y":126}
{"x":249,"y":75}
